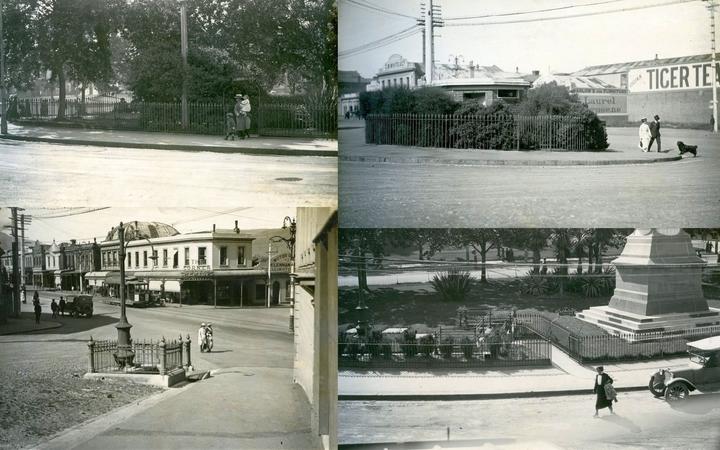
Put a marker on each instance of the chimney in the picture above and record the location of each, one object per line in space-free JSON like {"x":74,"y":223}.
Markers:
{"x":517,"y":70}
{"x":656,"y":56}
{"x":73,"y":241}
{"x":237,"y":230}
{"x":472,"y":70}
{"x":213,"y":228}
{"x":536,"y":73}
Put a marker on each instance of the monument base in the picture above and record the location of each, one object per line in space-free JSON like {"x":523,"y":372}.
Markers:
{"x":635,"y":327}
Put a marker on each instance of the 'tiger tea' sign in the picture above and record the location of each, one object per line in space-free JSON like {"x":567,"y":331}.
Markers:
{"x":673,"y":77}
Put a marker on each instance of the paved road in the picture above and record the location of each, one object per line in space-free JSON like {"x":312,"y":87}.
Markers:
{"x":681,"y":193}
{"x":37,"y":174}
{"x":251,"y":403}
{"x":641,"y":422}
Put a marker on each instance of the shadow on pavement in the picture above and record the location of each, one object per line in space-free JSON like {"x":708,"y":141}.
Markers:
{"x":70,"y":325}
{"x":697,"y":404}
{"x":623,"y":422}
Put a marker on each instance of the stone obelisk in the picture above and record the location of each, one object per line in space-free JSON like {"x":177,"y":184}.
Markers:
{"x":658,"y":288}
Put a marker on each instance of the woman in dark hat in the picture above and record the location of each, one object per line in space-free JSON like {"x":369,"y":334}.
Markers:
{"x":601,"y":399}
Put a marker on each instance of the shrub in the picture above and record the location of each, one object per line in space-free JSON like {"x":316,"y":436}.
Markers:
{"x":446,"y":347}
{"x":427,"y":345}
{"x":468,"y":348}
{"x":534,"y":284}
{"x":403,"y":100}
{"x":487,"y":127}
{"x":386,"y":350}
{"x":409,"y":345}
{"x":452,"y":285}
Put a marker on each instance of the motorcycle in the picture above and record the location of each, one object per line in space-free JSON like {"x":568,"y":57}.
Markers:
{"x":207,"y":343}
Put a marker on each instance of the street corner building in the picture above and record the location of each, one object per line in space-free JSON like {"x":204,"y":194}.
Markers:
{"x":315,"y":317}
{"x":211,"y":267}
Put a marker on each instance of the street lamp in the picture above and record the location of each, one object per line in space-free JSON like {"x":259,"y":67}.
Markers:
{"x":123,"y":355}
{"x":289,"y":224}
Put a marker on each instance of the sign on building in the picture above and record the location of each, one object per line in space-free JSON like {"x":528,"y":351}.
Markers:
{"x":605,"y":102}
{"x":672,"y":77}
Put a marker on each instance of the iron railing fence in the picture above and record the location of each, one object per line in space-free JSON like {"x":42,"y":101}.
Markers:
{"x":293,"y":120}
{"x":269,"y":119}
{"x":497,"y":132}
{"x":150,"y":356}
{"x":629,"y":347}
{"x":524,"y":352}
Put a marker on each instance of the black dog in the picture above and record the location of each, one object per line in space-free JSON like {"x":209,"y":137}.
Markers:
{"x":687,"y":148}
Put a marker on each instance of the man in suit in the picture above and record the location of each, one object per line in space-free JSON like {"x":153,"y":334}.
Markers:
{"x":655,"y":133}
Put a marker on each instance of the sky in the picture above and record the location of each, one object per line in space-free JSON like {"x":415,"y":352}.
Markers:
{"x":678,"y":29}
{"x":84,"y":227}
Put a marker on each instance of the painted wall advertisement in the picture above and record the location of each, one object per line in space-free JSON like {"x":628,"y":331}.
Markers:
{"x":605,"y":103}
{"x":673,"y":77}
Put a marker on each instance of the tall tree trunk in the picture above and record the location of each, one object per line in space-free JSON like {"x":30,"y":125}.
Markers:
{"x":362,"y":274}
{"x":579,"y":265}
{"x":598,"y":258}
{"x":483,"y":258}
{"x":591,"y":257}
{"x":420,"y":251}
{"x":61,"y":92}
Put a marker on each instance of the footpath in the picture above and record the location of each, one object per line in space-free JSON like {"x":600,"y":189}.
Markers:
{"x":565,"y":377}
{"x":354,"y":149}
{"x":26,"y":324}
{"x":255,"y":145}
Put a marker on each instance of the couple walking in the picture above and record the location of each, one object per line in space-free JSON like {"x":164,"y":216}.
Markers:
{"x":649,"y":133}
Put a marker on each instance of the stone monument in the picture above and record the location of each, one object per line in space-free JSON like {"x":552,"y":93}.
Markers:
{"x":658,"y":288}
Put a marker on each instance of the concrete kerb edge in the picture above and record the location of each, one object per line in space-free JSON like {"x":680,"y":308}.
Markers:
{"x":83,"y":432}
{"x":28,"y":331}
{"x":489,"y":396}
{"x":177,"y":147}
{"x":502,"y":162}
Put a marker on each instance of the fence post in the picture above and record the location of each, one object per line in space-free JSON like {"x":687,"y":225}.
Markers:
{"x":161,"y":345}
{"x":91,"y":355}
{"x":187,"y":349}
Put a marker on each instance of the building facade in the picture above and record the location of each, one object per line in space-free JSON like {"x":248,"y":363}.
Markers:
{"x":213,"y":267}
{"x":315,"y":311}
{"x":679,"y":90}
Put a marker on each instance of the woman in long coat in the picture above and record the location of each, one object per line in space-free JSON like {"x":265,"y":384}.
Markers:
{"x":601,"y":400}
{"x":644,"y":134}
{"x":240,"y":126}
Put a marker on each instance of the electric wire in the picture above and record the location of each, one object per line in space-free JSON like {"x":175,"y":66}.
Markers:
{"x":377,"y":8}
{"x":407,"y":32}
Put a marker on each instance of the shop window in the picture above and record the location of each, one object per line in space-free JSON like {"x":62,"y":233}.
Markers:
{"x":137,"y":259}
{"x":154,"y":258}
{"x":165,"y":257}
{"x":144,"y":258}
{"x":176,"y":256}
{"x":187,"y":256}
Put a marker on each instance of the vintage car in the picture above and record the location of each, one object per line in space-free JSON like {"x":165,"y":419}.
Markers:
{"x":81,"y":305}
{"x":702,"y":373}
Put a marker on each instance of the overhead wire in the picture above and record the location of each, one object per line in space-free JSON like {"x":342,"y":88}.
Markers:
{"x":377,"y":8}
{"x":517,"y":13}
{"x":407,"y":32}
{"x":568,"y":16}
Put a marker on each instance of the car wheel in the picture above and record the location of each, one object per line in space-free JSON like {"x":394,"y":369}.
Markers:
{"x":658,"y":390}
{"x":676,"y":391}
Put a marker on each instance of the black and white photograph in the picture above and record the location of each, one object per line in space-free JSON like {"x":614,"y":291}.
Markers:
{"x":167,"y":327}
{"x":157,"y":102}
{"x":529,"y":338}
{"x":528,"y":113}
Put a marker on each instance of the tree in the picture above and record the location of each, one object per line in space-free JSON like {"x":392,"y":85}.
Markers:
{"x":482,"y":240}
{"x":547,"y":99}
{"x":427,"y":241}
{"x":355,"y":244}
{"x":73,"y":41}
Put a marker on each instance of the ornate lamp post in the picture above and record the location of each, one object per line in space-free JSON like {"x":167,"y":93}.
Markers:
{"x":290,"y":225}
{"x":124,"y":355}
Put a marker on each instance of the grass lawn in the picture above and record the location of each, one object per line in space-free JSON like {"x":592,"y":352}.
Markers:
{"x":418,"y":305}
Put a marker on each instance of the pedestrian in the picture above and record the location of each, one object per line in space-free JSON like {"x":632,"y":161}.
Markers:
{"x":230,"y":124}
{"x":38,"y":310}
{"x":601,"y":398}
{"x":655,"y":133}
{"x":54,"y":308}
{"x":24,"y":294}
{"x":36,"y":297}
{"x":246,"y":108}
{"x":239,"y":117}
{"x":708,"y":247}
{"x":201,"y":335}
{"x":644,"y":134}
{"x":62,"y":306}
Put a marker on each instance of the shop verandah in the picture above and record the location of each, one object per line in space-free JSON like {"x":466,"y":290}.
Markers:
{"x":245,"y":288}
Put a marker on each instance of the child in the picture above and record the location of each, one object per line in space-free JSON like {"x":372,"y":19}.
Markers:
{"x":230,"y":126}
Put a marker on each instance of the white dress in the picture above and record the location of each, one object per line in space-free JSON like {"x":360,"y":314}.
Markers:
{"x":644,"y":134}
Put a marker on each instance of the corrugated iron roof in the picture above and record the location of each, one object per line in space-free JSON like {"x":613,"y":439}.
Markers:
{"x":626,"y":66}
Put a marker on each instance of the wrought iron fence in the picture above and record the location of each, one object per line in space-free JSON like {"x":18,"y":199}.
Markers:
{"x":297,"y":120}
{"x":271,"y":119}
{"x":150,"y":356}
{"x":528,"y":350}
{"x":498,"y":132}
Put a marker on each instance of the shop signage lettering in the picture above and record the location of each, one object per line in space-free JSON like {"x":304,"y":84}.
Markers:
{"x":665,"y":78}
{"x":197,"y":275}
{"x":605,"y":103}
